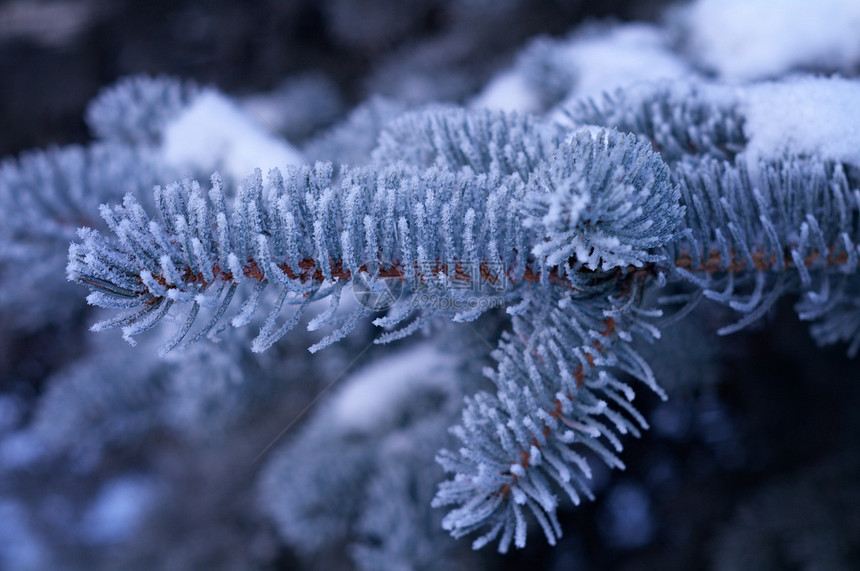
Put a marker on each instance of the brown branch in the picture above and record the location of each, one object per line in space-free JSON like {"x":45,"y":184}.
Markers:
{"x":713,"y":263}
{"x":308,"y":270}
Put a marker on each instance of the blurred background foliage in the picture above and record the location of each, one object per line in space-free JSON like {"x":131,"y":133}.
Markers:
{"x":761,"y":429}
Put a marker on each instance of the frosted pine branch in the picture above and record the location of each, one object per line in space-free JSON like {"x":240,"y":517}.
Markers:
{"x":570,"y":238}
{"x":558,"y":403}
{"x":300,"y":232}
{"x":303,"y":230}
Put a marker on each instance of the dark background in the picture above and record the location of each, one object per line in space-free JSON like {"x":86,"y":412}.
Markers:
{"x":779,"y":404}
{"x":51,"y":63}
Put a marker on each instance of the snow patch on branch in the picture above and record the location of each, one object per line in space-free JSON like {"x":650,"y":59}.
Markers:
{"x":755,"y":39}
{"x":213,"y":133}
{"x":805,"y":116}
{"x":377,"y":394}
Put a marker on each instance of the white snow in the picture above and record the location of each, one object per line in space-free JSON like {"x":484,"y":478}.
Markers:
{"x":755,"y":39}
{"x":118,"y":509}
{"x":606,"y":60}
{"x":508,"y":91}
{"x":803,"y":116}
{"x":213,"y":134}
{"x":375,"y":394}
{"x":600,"y":59}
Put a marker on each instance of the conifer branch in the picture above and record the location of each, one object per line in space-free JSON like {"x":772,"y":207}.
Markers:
{"x":569,"y":239}
{"x":303,"y":229}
